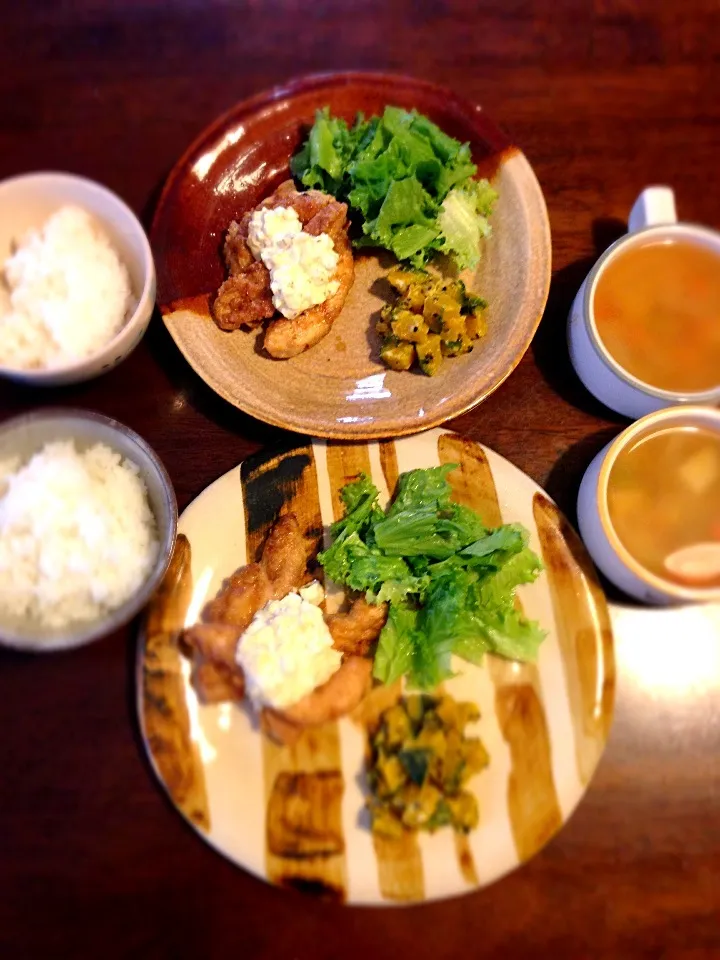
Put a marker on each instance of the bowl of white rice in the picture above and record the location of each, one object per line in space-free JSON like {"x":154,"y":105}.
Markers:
{"x":77,"y":279}
{"x":88,"y":521}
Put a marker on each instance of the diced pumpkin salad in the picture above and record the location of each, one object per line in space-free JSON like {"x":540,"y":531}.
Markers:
{"x":433,"y":318}
{"x":420,"y":761}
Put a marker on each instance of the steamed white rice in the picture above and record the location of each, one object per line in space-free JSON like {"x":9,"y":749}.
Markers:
{"x":66,"y":294}
{"x":77,"y":535}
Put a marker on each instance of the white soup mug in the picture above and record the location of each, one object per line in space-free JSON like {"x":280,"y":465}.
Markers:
{"x":652,"y":217}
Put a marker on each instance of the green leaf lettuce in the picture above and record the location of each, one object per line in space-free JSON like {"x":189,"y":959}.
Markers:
{"x":448,"y":580}
{"x":410,"y":184}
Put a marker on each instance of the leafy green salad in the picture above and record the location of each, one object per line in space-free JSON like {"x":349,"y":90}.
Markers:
{"x":449,"y":581}
{"x":410,"y":185}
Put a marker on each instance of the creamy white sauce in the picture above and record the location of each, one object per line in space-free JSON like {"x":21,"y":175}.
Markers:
{"x":313,"y":592}
{"x":287,"y":651}
{"x":267,"y":227}
{"x":301,"y":265}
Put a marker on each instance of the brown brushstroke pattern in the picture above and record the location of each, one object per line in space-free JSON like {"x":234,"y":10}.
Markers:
{"x":304,"y":815}
{"x":472,"y":482}
{"x":317,"y":749}
{"x":463,"y":851}
{"x":466,"y":861}
{"x":400,"y":869}
{"x":345,"y":461}
{"x":532,"y":798}
{"x":165,"y":719}
{"x":400,"y":872}
{"x":388,"y":461}
{"x":580,"y":609}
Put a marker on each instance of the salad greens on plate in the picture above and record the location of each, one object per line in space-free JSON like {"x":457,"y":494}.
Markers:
{"x":410,"y":185}
{"x":449,"y":581}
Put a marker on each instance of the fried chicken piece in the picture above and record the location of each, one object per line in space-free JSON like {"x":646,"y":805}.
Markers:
{"x":276,"y":726}
{"x":216,"y":676}
{"x":306,"y":203}
{"x":318,"y":213}
{"x":330,"y":219}
{"x":286,"y":338}
{"x":215,"y":642}
{"x":282,"y":568}
{"x":236,"y":252}
{"x":284,"y":557}
{"x":287,"y":186}
{"x":244,"y":299}
{"x":240,"y":598}
{"x":216,"y":683}
{"x":342,"y":692}
{"x":355,"y":632}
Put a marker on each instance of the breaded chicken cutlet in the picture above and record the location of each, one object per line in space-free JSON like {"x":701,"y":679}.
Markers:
{"x":245,"y":298}
{"x":282,"y":568}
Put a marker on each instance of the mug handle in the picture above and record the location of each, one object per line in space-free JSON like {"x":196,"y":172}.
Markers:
{"x":654,"y":206}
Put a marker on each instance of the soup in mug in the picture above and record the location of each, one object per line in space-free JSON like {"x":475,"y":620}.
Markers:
{"x":657,"y":312}
{"x":664,"y":503}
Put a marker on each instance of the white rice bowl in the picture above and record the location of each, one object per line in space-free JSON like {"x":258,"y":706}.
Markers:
{"x":65,"y":293}
{"x":77,"y":535}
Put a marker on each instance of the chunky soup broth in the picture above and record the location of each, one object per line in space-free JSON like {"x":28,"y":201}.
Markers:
{"x":657,"y":311}
{"x":664,"y":503}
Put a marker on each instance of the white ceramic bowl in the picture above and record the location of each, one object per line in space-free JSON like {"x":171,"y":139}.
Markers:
{"x":25,"y":435}
{"x":597,"y":530}
{"x":603,"y":376}
{"x":27,"y":201}
{"x":653,"y":217}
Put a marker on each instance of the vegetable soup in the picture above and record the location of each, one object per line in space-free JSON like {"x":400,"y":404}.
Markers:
{"x":657,"y":312}
{"x":664,"y":503}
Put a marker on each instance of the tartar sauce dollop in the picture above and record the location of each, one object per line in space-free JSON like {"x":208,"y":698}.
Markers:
{"x":287,"y":650}
{"x":301,"y":265}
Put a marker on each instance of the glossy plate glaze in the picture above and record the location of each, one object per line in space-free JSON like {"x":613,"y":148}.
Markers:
{"x":544,"y":725}
{"x":340,"y":388}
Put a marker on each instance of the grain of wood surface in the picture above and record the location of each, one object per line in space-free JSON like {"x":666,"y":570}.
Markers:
{"x":604,"y":97}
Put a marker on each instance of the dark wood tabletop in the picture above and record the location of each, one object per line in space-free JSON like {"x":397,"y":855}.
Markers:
{"x":604,"y":97}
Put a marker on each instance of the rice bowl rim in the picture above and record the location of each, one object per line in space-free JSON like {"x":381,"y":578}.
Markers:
{"x":147,"y":463}
{"x":144,"y":296}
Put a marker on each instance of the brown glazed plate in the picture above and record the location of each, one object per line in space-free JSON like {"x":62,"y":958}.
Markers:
{"x":293,"y":815}
{"x":340,"y":388}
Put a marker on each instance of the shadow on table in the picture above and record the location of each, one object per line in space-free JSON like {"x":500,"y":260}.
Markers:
{"x":563,"y":484}
{"x":550,"y":343}
{"x":553,"y":360}
{"x":563,"y":481}
{"x":150,"y":206}
{"x":199,"y":395}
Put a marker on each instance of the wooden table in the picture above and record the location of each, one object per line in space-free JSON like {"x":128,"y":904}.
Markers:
{"x":604,"y":96}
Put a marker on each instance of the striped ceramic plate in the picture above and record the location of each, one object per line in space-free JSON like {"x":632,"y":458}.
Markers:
{"x":544,"y":725}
